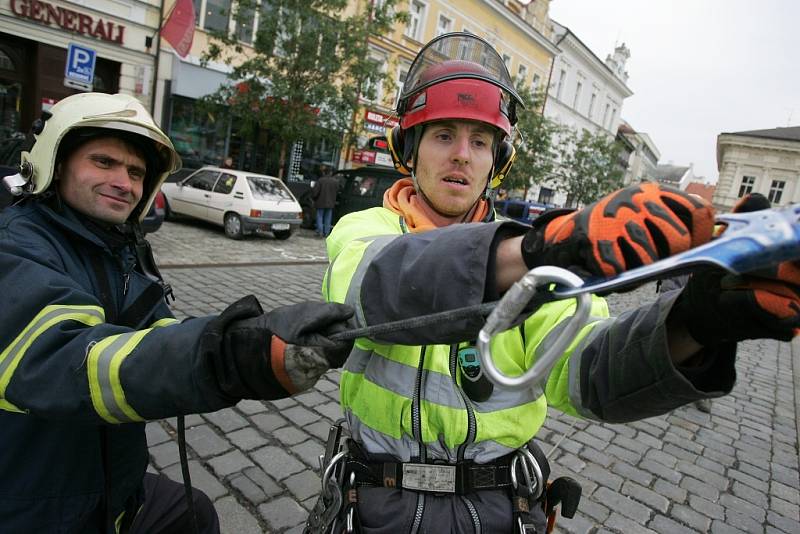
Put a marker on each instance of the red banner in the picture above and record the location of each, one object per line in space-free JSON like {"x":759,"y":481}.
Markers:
{"x":178,"y":30}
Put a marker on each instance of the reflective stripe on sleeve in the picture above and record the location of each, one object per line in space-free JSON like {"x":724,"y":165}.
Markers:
{"x":166,"y":321}
{"x":50,"y":316}
{"x":105,"y":387}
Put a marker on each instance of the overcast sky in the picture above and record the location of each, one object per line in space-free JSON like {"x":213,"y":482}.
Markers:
{"x":697,"y":67}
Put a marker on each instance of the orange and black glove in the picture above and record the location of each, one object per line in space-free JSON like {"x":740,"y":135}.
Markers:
{"x":631,"y":227}
{"x":719,"y":307}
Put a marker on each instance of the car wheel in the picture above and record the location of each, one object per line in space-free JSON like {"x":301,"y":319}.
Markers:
{"x":309,"y":217}
{"x":233,"y":226}
{"x":282,"y":234}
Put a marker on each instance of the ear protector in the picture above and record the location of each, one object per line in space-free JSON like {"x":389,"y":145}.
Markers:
{"x":401,"y":145}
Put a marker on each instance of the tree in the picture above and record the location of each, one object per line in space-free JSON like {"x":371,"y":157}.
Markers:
{"x":307,"y":68}
{"x":536,"y":154}
{"x":587,"y":167}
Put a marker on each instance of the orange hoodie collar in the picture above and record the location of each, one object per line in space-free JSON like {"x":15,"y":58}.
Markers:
{"x":403,"y":199}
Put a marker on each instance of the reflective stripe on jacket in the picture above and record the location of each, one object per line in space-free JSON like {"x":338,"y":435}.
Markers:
{"x":65,"y":372}
{"x":396,"y":396}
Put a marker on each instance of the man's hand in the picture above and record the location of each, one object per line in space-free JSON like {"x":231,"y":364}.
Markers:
{"x":272,"y":355}
{"x":631,"y":227}
{"x":718,"y":307}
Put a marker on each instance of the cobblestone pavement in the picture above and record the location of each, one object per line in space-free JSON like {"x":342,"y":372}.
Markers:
{"x":734,"y":470}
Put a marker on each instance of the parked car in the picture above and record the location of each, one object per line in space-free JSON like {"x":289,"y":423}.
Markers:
{"x":241,"y":202}
{"x":520,"y":210}
{"x":363,"y":188}
{"x":155,"y":215}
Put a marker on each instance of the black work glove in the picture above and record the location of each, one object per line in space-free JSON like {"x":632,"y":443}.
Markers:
{"x":275,"y":354}
{"x":719,"y":307}
{"x":628,"y":228}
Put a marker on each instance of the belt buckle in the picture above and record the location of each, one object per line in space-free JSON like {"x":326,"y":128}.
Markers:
{"x":437,"y":478}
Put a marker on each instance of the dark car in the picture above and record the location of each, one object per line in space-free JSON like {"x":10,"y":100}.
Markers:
{"x":155,"y":215}
{"x":524,"y":211}
{"x":359,"y":189}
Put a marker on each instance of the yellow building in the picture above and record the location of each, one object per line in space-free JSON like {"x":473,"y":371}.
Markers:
{"x":517,"y":31}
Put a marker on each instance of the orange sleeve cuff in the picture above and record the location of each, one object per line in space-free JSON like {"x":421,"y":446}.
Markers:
{"x":277,"y":351}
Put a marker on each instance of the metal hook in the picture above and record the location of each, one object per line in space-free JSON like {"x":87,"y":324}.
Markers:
{"x":507,"y":311}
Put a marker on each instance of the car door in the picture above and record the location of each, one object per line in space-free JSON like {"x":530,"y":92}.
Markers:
{"x":191,"y":197}
{"x":220,"y":200}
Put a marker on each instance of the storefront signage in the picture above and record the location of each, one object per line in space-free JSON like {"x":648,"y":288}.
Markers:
{"x":67,"y":19}
{"x":375,"y":117}
{"x":364,"y":156}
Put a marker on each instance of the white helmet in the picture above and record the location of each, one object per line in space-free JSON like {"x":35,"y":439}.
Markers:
{"x":123,"y":114}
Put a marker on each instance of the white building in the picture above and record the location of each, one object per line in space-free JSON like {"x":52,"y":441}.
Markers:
{"x":644,"y":155}
{"x":758,"y":161}
{"x":585,"y":93}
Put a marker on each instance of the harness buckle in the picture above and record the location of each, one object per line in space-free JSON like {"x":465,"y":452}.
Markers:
{"x":437,"y":478}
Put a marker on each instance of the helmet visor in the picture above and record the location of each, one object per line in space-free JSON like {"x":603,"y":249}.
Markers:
{"x":466,"y":56}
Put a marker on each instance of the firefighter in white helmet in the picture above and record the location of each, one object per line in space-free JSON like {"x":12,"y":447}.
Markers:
{"x":89,"y":349}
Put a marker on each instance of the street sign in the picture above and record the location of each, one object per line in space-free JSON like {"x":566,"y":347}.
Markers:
{"x":79,"y":70}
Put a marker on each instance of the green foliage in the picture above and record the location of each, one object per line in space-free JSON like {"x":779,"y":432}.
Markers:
{"x":582,"y":165}
{"x":306,"y":70}
{"x":536,"y":153}
{"x":588,"y":167}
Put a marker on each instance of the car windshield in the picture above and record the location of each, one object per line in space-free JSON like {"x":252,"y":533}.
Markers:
{"x":268,"y":189}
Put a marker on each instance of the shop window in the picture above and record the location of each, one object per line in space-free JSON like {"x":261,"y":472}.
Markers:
{"x":776,"y":191}
{"x":198,"y":136}
{"x":747,"y":185}
{"x":5,"y":62}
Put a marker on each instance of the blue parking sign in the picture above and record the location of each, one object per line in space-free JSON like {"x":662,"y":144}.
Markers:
{"x":80,"y":64}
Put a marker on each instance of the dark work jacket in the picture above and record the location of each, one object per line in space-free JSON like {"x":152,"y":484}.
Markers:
{"x":66,"y":372}
{"x":324,"y":192}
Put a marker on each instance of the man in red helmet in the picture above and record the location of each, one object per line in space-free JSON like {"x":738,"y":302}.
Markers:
{"x":436,"y":447}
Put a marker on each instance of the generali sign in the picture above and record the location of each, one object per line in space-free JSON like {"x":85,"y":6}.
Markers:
{"x":67,"y":19}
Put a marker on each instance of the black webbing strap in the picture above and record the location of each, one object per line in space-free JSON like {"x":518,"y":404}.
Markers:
{"x":469,"y":476}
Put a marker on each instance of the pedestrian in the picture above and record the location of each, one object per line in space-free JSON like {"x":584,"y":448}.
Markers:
{"x":434,"y":449}
{"x":749,"y":202}
{"x":89,"y":349}
{"x":227,"y":163}
{"x":324,"y":195}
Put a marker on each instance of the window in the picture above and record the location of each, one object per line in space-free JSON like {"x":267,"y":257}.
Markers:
{"x":591,"y":105}
{"x":747,"y":185}
{"x":416,"y":12}
{"x":263,"y":188}
{"x":198,"y":10}
{"x":507,"y":61}
{"x":244,"y":24}
{"x":776,"y":191}
{"x":445,"y":25}
{"x":522,"y":73}
{"x":376,"y":85}
{"x":546,"y":195}
{"x":561,"y":79}
{"x":605,"y":113}
{"x":577,"y":99}
{"x":203,"y":180}
{"x":535,"y":83}
{"x":611,"y":118}
{"x":216,"y":15}
{"x":402,"y":72}
{"x":225,"y":183}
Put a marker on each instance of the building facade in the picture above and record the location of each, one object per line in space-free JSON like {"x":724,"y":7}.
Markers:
{"x":34,"y":40}
{"x":758,"y":161}
{"x":584,"y":93}
{"x":517,"y":31}
{"x":643,"y":155}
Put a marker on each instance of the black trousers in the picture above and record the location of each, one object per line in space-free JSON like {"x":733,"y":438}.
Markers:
{"x":165,"y":509}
